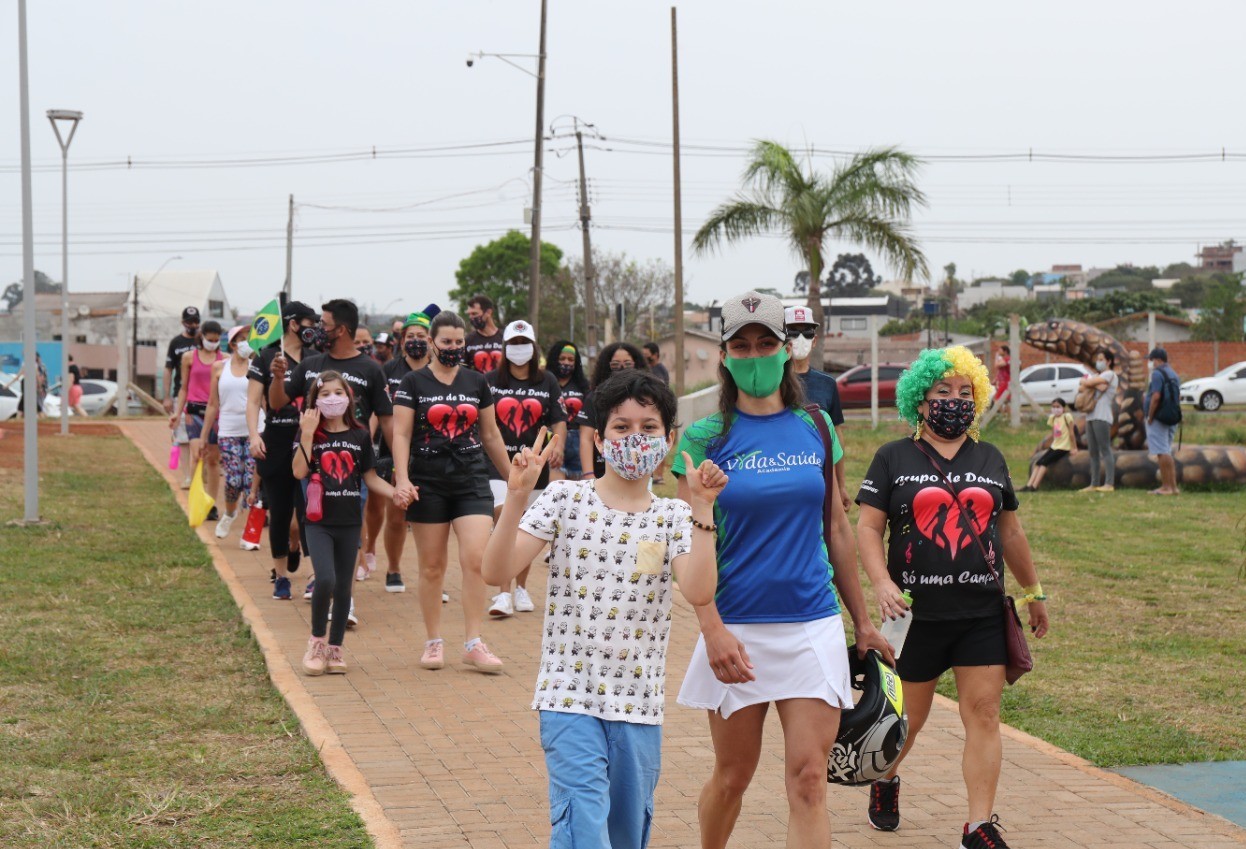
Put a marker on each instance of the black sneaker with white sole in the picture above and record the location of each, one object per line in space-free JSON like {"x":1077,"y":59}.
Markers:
{"x":985,"y":836}
{"x":884,"y":810}
{"x":393,"y":583}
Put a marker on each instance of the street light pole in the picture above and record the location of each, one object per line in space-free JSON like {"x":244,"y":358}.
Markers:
{"x":73,"y":118}
{"x":534,"y":273}
{"x":30,"y":384}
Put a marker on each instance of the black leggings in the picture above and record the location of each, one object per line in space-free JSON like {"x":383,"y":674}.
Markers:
{"x":333,"y":550}
{"x":283,"y":496}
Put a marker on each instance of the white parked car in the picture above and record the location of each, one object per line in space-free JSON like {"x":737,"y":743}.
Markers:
{"x":1227,"y":386}
{"x":1046,"y":383}
{"x":9,"y":397}
{"x":97,"y":395}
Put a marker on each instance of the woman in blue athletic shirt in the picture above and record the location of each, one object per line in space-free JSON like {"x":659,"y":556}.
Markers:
{"x":774,"y":632}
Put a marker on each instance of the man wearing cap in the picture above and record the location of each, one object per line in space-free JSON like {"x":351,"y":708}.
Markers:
{"x":484,"y":343}
{"x":384,"y":345}
{"x":273,"y":447}
{"x":172,"y":384}
{"x":820,"y":387}
{"x":1159,"y":434}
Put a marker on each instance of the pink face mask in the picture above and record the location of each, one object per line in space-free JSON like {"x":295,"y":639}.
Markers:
{"x":332,"y":406}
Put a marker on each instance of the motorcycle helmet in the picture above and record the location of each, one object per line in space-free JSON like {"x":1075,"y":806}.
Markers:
{"x":871,"y":734}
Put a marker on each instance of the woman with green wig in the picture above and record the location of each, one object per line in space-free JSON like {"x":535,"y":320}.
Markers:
{"x":946,"y":503}
{"x":774,"y":631}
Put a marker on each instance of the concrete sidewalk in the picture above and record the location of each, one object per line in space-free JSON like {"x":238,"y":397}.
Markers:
{"x":452,"y":758}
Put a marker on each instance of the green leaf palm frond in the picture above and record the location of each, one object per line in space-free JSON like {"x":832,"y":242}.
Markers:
{"x":868,"y":200}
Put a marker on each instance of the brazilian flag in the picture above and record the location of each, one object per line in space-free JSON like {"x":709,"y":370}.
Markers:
{"x":266,"y":327}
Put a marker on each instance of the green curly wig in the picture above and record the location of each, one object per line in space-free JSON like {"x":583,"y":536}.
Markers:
{"x":931,"y":365}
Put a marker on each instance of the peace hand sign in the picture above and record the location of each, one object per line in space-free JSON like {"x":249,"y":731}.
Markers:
{"x":705,"y":482}
{"x":527,"y":465}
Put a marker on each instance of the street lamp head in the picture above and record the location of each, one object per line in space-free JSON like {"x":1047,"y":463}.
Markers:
{"x":64,"y":115}
{"x":471,"y":59}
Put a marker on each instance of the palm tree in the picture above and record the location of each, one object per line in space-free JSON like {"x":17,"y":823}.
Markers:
{"x":867,"y":200}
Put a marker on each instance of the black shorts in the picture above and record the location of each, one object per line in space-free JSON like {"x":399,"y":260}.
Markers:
{"x":932,"y":648}
{"x":450,"y":487}
{"x":1052,"y":456}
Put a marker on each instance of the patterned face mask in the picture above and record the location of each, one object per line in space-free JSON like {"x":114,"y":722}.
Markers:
{"x":332,"y":406}
{"x":950,"y":418}
{"x":635,"y":456}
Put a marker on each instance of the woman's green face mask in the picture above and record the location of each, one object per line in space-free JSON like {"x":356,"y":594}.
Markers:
{"x":759,"y":377}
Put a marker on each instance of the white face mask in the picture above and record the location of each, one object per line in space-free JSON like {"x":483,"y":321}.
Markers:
{"x":210,"y":345}
{"x":243,"y":349}
{"x":801,"y":348}
{"x":520,"y":355}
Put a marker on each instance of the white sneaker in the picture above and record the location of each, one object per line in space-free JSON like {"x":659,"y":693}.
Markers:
{"x":445,"y":598}
{"x":502,"y":606}
{"x":248,"y":546}
{"x":351,"y":619}
{"x":223,"y":525}
{"x":523,"y":601}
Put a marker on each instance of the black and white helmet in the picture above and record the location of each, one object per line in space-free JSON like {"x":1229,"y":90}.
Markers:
{"x":872,"y":734}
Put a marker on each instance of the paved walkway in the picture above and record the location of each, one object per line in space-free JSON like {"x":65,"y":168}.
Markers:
{"x":452,"y":758}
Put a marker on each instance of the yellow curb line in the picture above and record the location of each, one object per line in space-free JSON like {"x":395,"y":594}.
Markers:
{"x":337,"y":761}
{"x":1225,"y":827}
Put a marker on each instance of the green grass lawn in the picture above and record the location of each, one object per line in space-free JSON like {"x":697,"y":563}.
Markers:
{"x":135,"y":710}
{"x":1145,"y":659}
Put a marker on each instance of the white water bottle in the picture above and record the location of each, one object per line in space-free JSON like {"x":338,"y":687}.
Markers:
{"x":896,"y":630}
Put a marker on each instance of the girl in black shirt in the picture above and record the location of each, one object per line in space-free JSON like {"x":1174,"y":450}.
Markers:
{"x":943,"y":549}
{"x":564,"y":361}
{"x":444,"y":425}
{"x":336,"y":452}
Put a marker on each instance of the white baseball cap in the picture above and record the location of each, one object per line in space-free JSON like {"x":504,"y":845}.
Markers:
{"x":798,"y":315}
{"x":518,"y":329}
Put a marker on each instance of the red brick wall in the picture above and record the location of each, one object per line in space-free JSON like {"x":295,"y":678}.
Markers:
{"x":1188,"y":359}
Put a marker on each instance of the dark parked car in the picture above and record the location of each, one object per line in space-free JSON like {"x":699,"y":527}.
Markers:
{"x":854,"y":385}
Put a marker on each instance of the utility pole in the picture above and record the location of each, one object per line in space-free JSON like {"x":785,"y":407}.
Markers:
{"x":289,"y":253}
{"x":679,"y":226}
{"x":134,"y":337}
{"x":30,"y":383}
{"x":534,"y":273}
{"x":590,"y":273}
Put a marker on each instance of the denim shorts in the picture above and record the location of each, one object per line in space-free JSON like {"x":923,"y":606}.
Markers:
{"x":571,"y":466}
{"x":1159,"y":438}
{"x":602,"y":774}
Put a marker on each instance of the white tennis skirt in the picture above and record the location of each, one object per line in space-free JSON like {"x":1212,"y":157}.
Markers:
{"x":791,"y":660}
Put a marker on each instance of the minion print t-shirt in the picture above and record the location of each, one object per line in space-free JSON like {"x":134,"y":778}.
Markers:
{"x":773,"y":565}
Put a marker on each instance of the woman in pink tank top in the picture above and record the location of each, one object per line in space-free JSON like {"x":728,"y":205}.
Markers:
{"x":192,"y":401}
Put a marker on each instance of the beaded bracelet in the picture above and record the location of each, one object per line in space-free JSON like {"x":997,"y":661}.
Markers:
{"x":711,"y":528}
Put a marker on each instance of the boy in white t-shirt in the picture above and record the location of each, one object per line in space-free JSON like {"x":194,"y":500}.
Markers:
{"x":614,"y":551}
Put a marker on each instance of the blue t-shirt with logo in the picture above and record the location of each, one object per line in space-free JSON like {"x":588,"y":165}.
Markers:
{"x":773,"y":564}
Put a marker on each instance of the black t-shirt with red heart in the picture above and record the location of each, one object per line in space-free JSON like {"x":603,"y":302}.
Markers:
{"x":484,"y":353}
{"x":930,"y":549}
{"x":573,"y":395}
{"x":522,"y":408}
{"x":342,"y":459}
{"x":447,"y":417}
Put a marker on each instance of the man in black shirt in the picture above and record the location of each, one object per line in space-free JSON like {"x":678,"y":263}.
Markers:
{"x":653,"y":358}
{"x":484,"y":343}
{"x":179,"y":345}
{"x":273,"y":448}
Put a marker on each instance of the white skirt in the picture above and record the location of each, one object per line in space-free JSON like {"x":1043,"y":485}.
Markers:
{"x":791,"y":660}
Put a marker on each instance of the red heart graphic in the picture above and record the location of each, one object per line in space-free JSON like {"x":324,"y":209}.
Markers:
{"x":940,"y":520}
{"x":573,"y":405}
{"x":337,"y":464}
{"x":487,"y":360}
{"x":452,"y":421}
{"x":519,"y":416}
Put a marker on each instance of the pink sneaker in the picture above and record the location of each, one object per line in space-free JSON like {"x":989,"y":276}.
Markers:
{"x":335,"y":664}
{"x":316,"y":658}
{"x":482,"y":659}
{"x":365,"y":570}
{"x":434,"y":656}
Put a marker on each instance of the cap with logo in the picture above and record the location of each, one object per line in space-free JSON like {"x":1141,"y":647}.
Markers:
{"x":517,"y":329}
{"x":190,"y":314}
{"x":382,"y":338}
{"x":297,"y":311}
{"x":798,"y":315}
{"x":753,"y":308}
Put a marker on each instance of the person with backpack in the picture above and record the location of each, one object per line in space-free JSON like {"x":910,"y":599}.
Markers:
{"x":1163,"y":406}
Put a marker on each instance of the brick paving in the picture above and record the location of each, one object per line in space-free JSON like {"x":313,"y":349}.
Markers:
{"x":454,"y":760}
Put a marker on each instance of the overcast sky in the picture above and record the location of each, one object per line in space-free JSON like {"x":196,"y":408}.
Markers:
{"x":180,"y":82}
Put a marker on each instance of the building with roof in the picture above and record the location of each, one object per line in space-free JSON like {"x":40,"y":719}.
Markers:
{"x":850,"y":316}
{"x":1133,"y":328}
